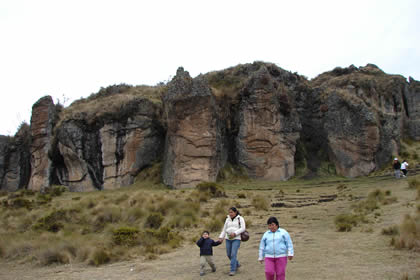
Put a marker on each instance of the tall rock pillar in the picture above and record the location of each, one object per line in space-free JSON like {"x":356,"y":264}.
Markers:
{"x":43,"y":112}
{"x":192,"y":144}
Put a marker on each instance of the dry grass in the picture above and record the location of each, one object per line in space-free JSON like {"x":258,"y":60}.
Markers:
{"x":311,"y":228}
{"x":114,"y":105}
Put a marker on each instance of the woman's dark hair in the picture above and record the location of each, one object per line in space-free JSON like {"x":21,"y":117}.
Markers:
{"x":272,"y":220}
{"x":235,"y":210}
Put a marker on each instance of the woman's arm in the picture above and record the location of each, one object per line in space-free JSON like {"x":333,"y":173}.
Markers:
{"x":223,"y":233}
{"x":289,"y":244}
{"x":261,"y":248}
{"x":242,"y":228}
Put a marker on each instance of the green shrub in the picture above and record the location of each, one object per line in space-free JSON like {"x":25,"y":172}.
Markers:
{"x":125,"y":236}
{"x":43,"y":198}
{"x":154,"y":220}
{"x":20,"y":202}
{"x":51,"y":222}
{"x":151,"y":239}
{"x":56,"y":190}
{"x":214,"y":189}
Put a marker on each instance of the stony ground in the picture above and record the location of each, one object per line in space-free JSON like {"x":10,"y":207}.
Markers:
{"x":320,"y":251}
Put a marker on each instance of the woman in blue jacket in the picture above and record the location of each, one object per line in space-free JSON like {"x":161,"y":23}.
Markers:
{"x":276,"y":248}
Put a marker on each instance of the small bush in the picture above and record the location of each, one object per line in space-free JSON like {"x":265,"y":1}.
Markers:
{"x":51,"y":222}
{"x":56,"y":190}
{"x":392,"y":230}
{"x":125,"y":236}
{"x":413,"y":183}
{"x":52,"y":255}
{"x":241,"y":195}
{"x":100,"y":256}
{"x":154,"y":220}
{"x":260,"y":202}
{"x":20,"y":202}
{"x":214,"y":225}
{"x":345,"y":222}
{"x":409,"y":234}
{"x":42,"y":199}
{"x":214,"y":189}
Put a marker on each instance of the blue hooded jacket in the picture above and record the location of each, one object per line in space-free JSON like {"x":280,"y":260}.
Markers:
{"x":275,"y":244}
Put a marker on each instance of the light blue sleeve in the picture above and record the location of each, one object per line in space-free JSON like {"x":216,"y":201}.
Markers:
{"x":262,"y":248}
{"x":289,"y":244}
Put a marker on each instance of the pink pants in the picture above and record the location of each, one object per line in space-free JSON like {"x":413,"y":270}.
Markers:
{"x":275,"y":267}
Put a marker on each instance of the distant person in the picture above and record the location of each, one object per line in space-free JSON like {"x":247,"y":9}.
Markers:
{"x":234,"y":226}
{"x":397,"y":168}
{"x":404,"y":165}
{"x":276,"y":248}
{"x":206,"y":251}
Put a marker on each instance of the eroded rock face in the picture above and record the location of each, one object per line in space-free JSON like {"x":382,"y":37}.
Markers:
{"x":412,"y":101}
{"x":43,"y":114}
{"x":129,"y":147}
{"x":112,"y":155}
{"x":80,"y":167}
{"x":268,"y":126}
{"x":193,"y":139}
{"x":363,"y":118}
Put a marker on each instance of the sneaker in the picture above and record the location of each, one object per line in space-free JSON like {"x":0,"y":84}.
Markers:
{"x":213,"y":269}
{"x":231,"y":273}
{"x":239,"y":265}
{"x":202,"y":273}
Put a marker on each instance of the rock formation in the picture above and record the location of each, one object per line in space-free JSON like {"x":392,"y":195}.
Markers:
{"x":266,"y":120}
{"x":268,"y":126}
{"x":193,"y":141}
{"x":43,"y":114}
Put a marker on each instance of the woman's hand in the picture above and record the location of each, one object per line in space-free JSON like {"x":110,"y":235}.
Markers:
{"x":261,"y":261}
{"x":232,"y":235}
{"x":221,"y":240}
{"x":290,"y":258}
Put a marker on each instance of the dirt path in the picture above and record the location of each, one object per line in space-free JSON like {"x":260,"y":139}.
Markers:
{"x":320,"y":251}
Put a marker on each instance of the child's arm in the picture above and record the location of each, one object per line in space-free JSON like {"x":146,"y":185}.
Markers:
{"x":200,"y":242}
{"x":216,"y":243}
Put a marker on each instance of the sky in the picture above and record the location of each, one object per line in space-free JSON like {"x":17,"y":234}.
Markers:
{"x":69,"y":49}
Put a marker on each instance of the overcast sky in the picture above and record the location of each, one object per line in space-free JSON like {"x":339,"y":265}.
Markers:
{"x":70,"y":49}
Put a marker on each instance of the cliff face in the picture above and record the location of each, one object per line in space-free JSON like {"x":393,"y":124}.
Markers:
{"x":363,"y":117}
{"x":268,"y":125}
{"x":193,"y":139}
{"x":256,"y":116}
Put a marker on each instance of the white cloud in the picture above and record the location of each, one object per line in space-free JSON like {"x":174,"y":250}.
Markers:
{"x":73,"y":48}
